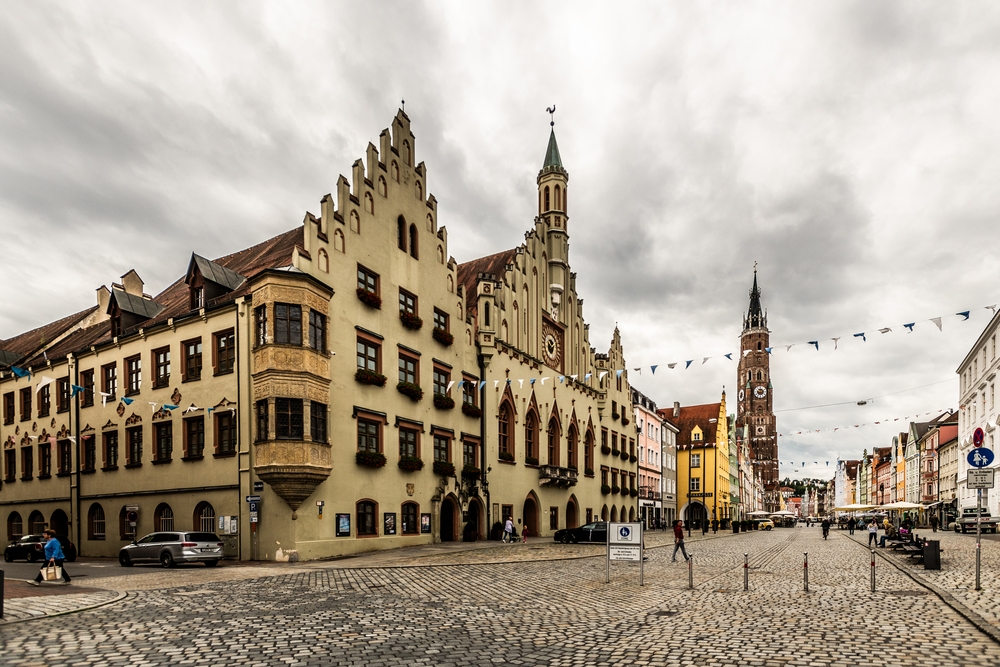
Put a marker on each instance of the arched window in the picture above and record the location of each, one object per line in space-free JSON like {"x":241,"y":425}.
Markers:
{"x":406,"y":151}
{"x":204,"y":517}
{"x":758,"y":347}
{"x":95,"y":522}
{"x":558,"y":198}
{"x":367,"y":510}
{"x":394,"y":171}
{"x":163,"y":517}
{"x":420,"y":191}
{"x":440,"y":255}
{"x":401,"y":233}
{"x":503,"y":429}
{"x":36,"y":523}
{"x":324,"y":259}
{"x":382,"y":189}
{"x":545,"y":197}
{"x":531,"y":438}
{"x":451,"y":284}
{"x":486,"y":314}
{"x":369,"y":203}
{"x":411,"y":514}
{"x":15,"y":527}
{"x":355,"y":222}
{"x":413,"y":242}
{"x":588,"y":452}
{"x":571,"y":447}
{"x":125,"y":528}
{"x":430,"y":223}
{"x":553,"y":436}
{"x":614,"y":514}
{"x":760,"y":376}
{"x":339,"y":245}
{"x":604,"y":513}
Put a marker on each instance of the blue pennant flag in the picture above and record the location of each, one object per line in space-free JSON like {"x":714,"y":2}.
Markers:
{"x":653,"y":369}
{"x":910,"y":326}
{"x":460,"y":383}
{"x":532,"y":381}
{"x":508,"y":382}
{"x":729,"y":356}
{"x":562,"y":378}
{"x":618,"y":374}
{"x":127,"y":401}
{"x":76,"y":390}
{"x":482,"y":383}
{"x":586,"y":378}
{"x":209,"y":411}
{"x":815,"y":342}
{"x":965,"y":314}
{"x":20,"y":372}
{"x":861,"y":336}
{"x":169,"y":407}
{"x":687,"y":364}
{"x":768,"y":349}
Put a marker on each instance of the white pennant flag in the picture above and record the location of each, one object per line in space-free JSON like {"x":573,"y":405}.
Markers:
{"x":192,"y":409}
{"x":835,"y":342}
{"x":544,"y":379}
{"x":152,"y":404}
{"x":600,"y":376}
{"x":520,"y":383}
{"x":573,"y":377}
{"x":789,"y":347}
{"x":72,"y":439}
{"x":43,"y":382}
{"x":496,"y":383}
{"x":104,"y":398}
{"x":884,"y":330}
{"x":450,"y":385}
{"x":746,"y":352}
{"x":937,"y":322}
{"x":704,"y":360}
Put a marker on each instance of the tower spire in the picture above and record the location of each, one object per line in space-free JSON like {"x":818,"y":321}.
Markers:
{"x":755,"y":315}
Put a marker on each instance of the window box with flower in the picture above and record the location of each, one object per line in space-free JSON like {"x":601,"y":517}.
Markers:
{"x":410,"y":321}
{"x":632,"y":458}
{"x":589,"y":472}
{"x":370,"y":299}
{"x":410,"y":463}
{"x":444,"y":468}
{"x":370,"y":459}
{"x":615,"y":488}
{"x":411,"y":390}
{"x":505,"y":456}
{"x":365,"y":376}
{"x":471,"y":472}
{"x":442,"y":402}
{"x":443,"y":337}
{"x":634,"y":493}
{"x":471,"y":410}
{"x":606,"y":450}
{"x":531,"y":460}
{"x":624,"y":455}
{"x":605,"y":489}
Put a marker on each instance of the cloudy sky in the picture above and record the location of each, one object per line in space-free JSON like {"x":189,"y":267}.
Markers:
{"x":851,"y":149}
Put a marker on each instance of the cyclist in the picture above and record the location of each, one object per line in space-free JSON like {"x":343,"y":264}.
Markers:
{"x":826,"y":528}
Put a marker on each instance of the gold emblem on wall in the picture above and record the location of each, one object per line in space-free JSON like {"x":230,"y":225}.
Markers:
{"x":410,"y":488}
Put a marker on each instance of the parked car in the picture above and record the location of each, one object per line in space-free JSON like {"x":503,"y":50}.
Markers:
{"x":32,"y":548}
{"x":170,"y":548}
{"x":765,"y":524}
{"x":596,"y":531}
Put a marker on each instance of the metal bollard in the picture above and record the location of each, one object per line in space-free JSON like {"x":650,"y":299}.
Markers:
{"x":691,"y":573}
{"x":873,"y":570}
{"x":746,"y":572}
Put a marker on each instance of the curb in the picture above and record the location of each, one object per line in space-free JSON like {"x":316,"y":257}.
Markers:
{"x":959,"y":607}
{"x":121,"y":595}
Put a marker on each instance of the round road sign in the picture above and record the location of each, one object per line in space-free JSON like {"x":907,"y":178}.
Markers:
{"x":977,"y":437}
{"x":132,"y":516}
{"x":980,"y":457}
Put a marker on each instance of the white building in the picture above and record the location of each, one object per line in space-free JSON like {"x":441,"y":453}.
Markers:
{"x":977,"y":409}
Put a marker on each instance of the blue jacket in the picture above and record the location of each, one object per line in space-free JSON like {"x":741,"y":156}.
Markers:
{"x":54,"y":550}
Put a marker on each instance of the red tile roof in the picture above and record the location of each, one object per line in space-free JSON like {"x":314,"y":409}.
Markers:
{"x":468,"y":274}
{"x":28,"y":343}
{"x":691,"y":416}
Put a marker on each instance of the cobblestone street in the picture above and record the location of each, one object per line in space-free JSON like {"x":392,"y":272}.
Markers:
{"x":467,"y":608}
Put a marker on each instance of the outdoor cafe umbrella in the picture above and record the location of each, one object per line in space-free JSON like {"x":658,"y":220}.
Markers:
{"x":854,"y":507}
{"x":758,"y":513}
{"x":901,"y":505}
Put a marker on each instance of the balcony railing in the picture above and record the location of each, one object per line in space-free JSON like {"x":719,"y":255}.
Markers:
{"x":556,"y":476}
{"x":649,"y":493}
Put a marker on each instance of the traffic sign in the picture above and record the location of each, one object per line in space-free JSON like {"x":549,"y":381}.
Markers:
{"x":253,"y":517}
{"x":131,"y":508}
{"x":625,"y":541}
{"x":258,"y":486}
{"x":980,"y":479}
{"x":980,"y":457}
{"x":253,"y":499}
{"x":977,"y":437}
{"x":132,"y":516}
{"x":253,"y":508}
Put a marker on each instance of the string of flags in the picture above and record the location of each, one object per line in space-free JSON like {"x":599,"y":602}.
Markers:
{"x":888,"y":420}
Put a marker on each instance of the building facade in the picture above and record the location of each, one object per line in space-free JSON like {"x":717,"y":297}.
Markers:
{"x":977,"y":409}
{"x":649,"y":445}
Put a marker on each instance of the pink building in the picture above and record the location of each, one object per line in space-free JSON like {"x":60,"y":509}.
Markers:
{"x":649,"y":446}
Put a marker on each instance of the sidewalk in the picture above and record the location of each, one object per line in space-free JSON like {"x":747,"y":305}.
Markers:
{"x":23,"y":602}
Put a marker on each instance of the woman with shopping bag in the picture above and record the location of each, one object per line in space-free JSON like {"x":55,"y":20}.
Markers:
{"x":54,"y":557}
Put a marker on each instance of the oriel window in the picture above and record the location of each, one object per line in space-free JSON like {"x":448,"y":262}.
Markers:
{"x":287,"y":324}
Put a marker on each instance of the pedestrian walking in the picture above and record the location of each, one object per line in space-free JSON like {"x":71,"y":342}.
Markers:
{"x":872,"y":533}
{"x":934,"y":523}
{"x":54,"y":557}
{"x":508,"y":530}
{"x":826,"y":528}
{"x":679,"y":541}
{"x":851,"y":525}
{"x":524,"y":534}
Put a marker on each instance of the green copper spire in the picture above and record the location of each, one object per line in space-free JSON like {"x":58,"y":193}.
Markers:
{"x":552,"y":158}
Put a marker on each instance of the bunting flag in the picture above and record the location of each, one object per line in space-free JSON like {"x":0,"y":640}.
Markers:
{"x":727,"y":355}
{"x":937,"y":322}
{"x":520,"y":383}
{"x":964,"y":314}
{"x":76,"y":389}
{"x":20,"y":372}
{"x":104,"y":398}
{"x":789,"y":347}
{"x":652,"y":368}
{"x":586,"y":378}
{"x":496,"y":383}
{"x":704,"y":360}
{"x":460,"y":383}
{"x":544,"y":379}
{"x":127,"y":401}
{"x":482,"y":383}
{"x":192,"y":409}
{"x":638,"y":370}
{"x":152,"y":404}
{"x":815,"y":343}
{"x":861,"y":336}
{"x":768,"y":349}
{"x":884,"y":330}
{"x":746,"y":352}
{"x":671,"y":366}
{"x":687,"y":364}
{"x":167,"y":406}
{"x":43,"y":382}
{"x":600,"y":376}
{"x":910,"y":326}
{"x":835,"y":342}
{"x":209,"y":411}
{"x":618,"y":373}
{"x":562,"y":378}
{"x":574,"y":377}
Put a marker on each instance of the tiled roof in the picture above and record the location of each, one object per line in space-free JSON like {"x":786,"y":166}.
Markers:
{"x":30,"y":342}
{"x":216,"y":273}
{"x":129,"y":303}
{"x":469,"y":271}
{"x":691,"y":416}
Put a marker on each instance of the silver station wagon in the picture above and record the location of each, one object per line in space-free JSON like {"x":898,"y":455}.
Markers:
{"x":170,"y":548}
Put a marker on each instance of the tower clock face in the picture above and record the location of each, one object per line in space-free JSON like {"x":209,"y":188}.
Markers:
{"x":742,"y":394}
{"x":760,"y":392}
{"x":760,"y":430}
{"x":551,"y":347}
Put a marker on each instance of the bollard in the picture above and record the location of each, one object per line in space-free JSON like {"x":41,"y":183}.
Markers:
{"x":1,"y":593}
{"x":691,"y":573}
{"x":746,"y":572}
{"x":805,"y":572}
{"x":873,"y":570}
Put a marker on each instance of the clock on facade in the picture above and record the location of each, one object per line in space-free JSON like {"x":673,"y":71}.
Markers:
{"x":760,"y":430}
{"x":551,"y":347}
{"x":742,"y":394}
{"x":760,"y":392}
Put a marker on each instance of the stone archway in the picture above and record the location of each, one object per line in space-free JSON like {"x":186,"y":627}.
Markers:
{"x":449,"y":519}
{"x":631,"y":514}
{"x":530,"y":515}
{"x":59,"y":523}
{"x":473,"y":527}
{"x":614,"y":514}
{"x":572,"y":513}
{"x":695,"y":515}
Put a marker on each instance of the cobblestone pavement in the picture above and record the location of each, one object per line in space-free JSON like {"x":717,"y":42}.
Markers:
{"x":550,"y":612}
{"x":957,"y":576}
{"x":38,"y":606}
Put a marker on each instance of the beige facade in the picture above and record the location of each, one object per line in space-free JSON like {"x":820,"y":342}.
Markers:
{"x":336,"y":371}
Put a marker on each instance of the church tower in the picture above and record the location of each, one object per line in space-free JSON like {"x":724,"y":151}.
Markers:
{"x":755,"y":399}
{"x":552,"y":194}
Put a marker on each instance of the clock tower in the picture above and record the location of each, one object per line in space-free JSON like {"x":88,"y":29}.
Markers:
{"x":755,"y":399}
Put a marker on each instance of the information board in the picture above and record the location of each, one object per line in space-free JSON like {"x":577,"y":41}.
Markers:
{"x":980,"y":479}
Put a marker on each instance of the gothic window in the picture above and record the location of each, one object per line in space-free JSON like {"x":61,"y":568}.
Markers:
{"x":430,"y":223}
{"x":545,"y":196}
{"x":553,"y":441}
{"x":394,"y":171}
{"x":401,"y":233}
{"x":413,"y":242}
{"x":355,"y":222}
{"x":760,"y":376}
{"x":406,"y":151}
{"x":369,"y":203}
{"x":558,"y":198}
{"x":758,"y":347}
{"x":531,"y":436}
{"x":420,"y":191}
{"x":381,"y":186}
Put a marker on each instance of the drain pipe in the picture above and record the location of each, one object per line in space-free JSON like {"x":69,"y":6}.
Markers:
{"x":484,"y":469}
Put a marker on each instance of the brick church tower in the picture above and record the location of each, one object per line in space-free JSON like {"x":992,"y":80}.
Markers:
{"x":755,"y":399}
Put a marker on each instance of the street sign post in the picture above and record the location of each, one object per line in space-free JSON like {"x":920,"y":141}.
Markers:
{"x":258,"y":487}
{"x":625,"y":543}
{"x":980,"y":457}
{"x":253,"y":499}
{"x":980,"y":479}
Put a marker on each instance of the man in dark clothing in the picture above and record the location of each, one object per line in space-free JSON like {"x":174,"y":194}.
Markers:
{"x":679,"y":541}
{"x":851,"y":525}
{"x":826,"y":528}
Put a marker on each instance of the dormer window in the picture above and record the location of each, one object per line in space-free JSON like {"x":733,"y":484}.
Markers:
{"x":198,"y":297}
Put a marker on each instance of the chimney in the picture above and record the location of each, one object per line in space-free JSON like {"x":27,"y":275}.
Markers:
{"x":677,"y":409}
{"x":103,"y":297}
{"x":132,"y":283}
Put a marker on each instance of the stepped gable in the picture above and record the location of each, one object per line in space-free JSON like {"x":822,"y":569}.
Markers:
{"x":30,"y":342}
{"x":469,"y":271}
{"x":691,"y":416}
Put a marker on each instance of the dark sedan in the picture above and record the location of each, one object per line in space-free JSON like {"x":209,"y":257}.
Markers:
{"x":592,"y":532}
{"x":32,"y":548}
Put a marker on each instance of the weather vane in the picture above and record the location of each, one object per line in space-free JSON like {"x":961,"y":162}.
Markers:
{"x":755,"y":267}
{"x":403,"y":105}
{"x":551,"y":110}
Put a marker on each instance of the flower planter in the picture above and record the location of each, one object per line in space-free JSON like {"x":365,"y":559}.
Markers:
{"x":410,"y":321}
{"x":634,"y":493}
{"x":530,"y":460}
{"x":471,"y":472}
{"x":632,"y":458}
{"x":471,"y":410}
{"x":410,"y":463}
{"x":364,"y":376}
{"x":370,"y":459}
{"x":369,"y":299}
{"x":409,"y":389}
{"x":605,"y":489}
{"x":605,"y":450}
{"x":443,"y":337}
{"x":443,"y":402}
{"x":624,"y":456}
{"x":615,"y":489}
{"x":588,"y":471}
{"x":505,"y":456}
{"x":616,"y":452}
{"x":444,"y":468}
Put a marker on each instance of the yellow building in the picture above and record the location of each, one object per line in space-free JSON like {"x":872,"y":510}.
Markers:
{"x":347,"y":372}
{"x":702,"y":463}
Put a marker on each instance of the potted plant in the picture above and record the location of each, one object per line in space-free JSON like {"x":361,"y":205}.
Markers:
{"x":444,"y":468}
{"x":605,"y":489}
{"x":443,"y":337}
{"x":470,"y":472}
{"x":365,"y":376}
{"x":615,"y":489}
{"x":410,"y":321}
{"x":369,"y":459}
{"x":505,"y":456}
{"x":589,"y":472}
{"x":624,"y":455}
{"x":616,"y":452}
{"x":605,"y":450}
{"x":409,"y":389}
{"x":442,"y":402}
{"x":530,"y":460}
{"x":632,"y":459}
{"x":410,"y":463}
{"x":471,"y":410}
{"x":634,"y":493}
{"x":370,"y":299}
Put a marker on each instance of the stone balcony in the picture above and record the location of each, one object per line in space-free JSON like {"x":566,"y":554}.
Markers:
{"x":556,"y":476}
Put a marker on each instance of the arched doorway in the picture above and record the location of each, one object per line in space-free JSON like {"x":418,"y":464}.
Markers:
{"x":695,"y":515}
{"x":530,"y":515}
{"x":604,"y":513}
{"x":471,"y":532}
{"x":449,"y":512}
{"x":59,"y":523}
{"x":614,"y":514}
{"x":572,"y":514}
{"x":631,"y":514}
